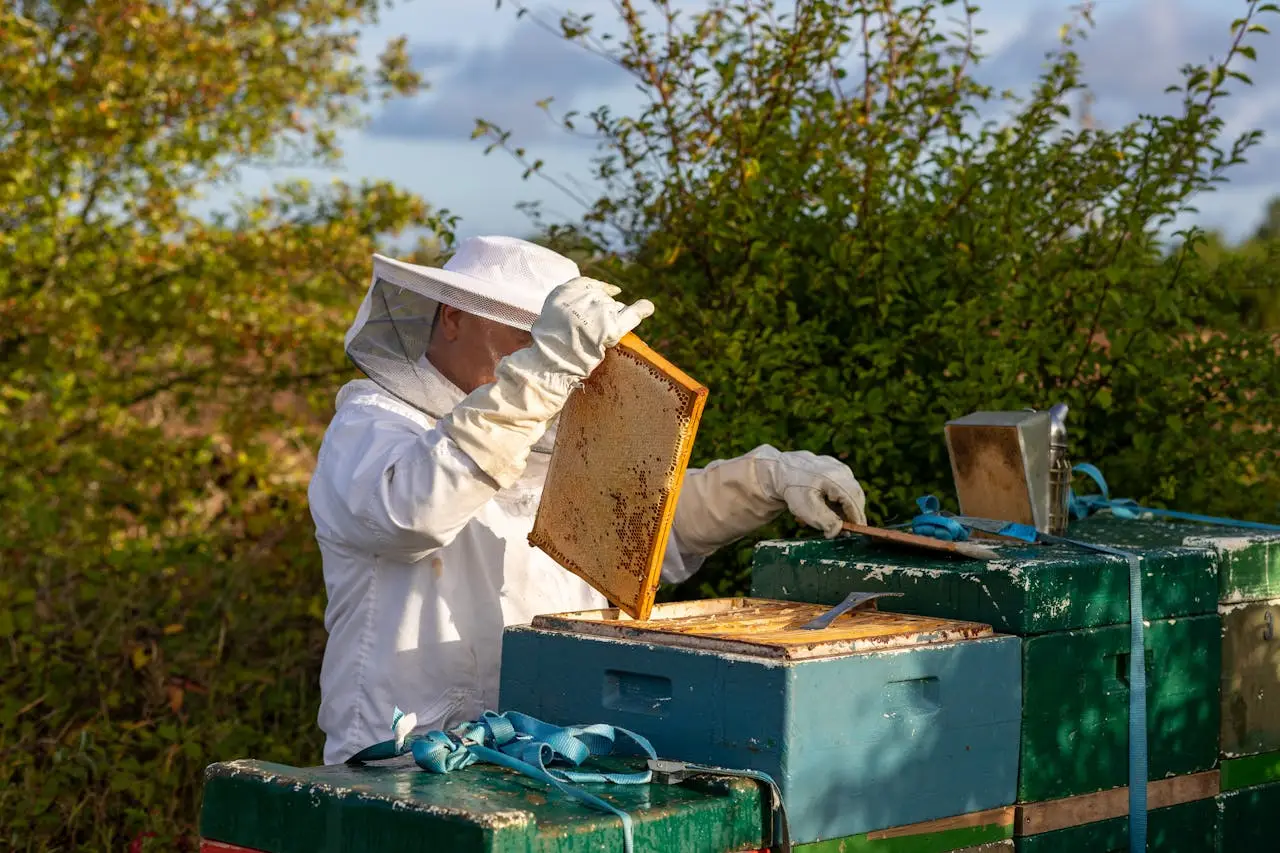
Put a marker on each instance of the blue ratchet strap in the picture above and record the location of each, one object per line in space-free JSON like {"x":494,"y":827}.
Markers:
{"x":1082,"y":506}
{"x":931,"y":522}
{"x":523,"y":744}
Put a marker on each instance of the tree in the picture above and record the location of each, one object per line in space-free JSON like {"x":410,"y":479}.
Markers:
{"x":161,"y":382}
{"x":1246,"y":274}
{"x":850,"y":253}
{"x":1269,"y":229}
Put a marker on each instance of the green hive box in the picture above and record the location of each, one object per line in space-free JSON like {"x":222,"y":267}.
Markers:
{"x":1248,"y":607}
{"x":1249,"y":561}
{"x":1071,"y":606}
{"x":1249,"y":819}
{"x":481,"y":809}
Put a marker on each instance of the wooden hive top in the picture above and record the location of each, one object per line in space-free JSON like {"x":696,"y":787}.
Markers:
{"x":764,"y":628}
{"x":622,"y":448}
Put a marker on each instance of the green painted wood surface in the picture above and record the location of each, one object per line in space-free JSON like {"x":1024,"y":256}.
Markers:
{"x":1249,"y":820}
{"x":1030,"y":590}
{"x":986,"y":837}
{"x":1075,"y":714}
{"x":1249,"y":564}
{"x":1248,"y":560}
{"x":1250,"y":678}
{"x":1186,"y":828}
{"x":279,"y":809}
{"x":1247,"y":772}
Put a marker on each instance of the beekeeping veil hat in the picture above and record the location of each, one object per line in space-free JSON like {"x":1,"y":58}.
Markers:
{"x":499,"y":278}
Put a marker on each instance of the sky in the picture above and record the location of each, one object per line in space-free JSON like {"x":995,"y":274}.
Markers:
{"x":485,"y":61}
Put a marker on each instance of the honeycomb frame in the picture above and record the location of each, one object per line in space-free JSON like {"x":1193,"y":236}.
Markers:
{"x":622,"y":448}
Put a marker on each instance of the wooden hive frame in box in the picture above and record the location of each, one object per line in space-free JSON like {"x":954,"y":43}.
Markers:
{"x":621,"y":451}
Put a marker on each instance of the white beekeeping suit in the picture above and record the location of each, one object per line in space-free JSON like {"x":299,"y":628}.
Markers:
{"x":423,"y":497}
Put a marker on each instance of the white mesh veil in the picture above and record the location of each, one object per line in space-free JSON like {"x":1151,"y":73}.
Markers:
{"x":499,"y":278}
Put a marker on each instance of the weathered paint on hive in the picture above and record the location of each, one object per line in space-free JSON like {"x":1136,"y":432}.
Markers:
{"x":855,"y":741}
{"x":397,"y":806}
{"x":1250,"y":678}
{"x":1186,"y":828}
{"x":1248,"y":560}
{"x":1031,"y":590}
{"x":1249,"y":819}
{"x":1249,"y":563}
{"x":1076,"y":706}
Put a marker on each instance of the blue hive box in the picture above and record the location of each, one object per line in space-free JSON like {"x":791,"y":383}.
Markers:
{"x":880,"y":720}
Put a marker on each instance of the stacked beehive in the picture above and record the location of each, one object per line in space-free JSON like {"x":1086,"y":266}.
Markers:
{"x":1070,"y":607}
{"x":1249,"y":607}
{"x":1004,"y":727}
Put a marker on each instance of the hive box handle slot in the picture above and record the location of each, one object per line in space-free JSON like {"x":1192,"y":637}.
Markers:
{"x":636,"y":693}
{"x":1122,"y":666}
{"x":915,"y":697}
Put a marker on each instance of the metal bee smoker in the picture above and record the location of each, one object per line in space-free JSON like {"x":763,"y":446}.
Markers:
{"x":1012,"y":466}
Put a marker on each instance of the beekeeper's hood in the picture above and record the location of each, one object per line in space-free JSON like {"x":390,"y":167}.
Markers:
{"x":499,"y":278}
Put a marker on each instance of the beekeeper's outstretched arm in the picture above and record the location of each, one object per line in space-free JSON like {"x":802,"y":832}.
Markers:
{"x":385,"y":486}
{"x":731,"y":498}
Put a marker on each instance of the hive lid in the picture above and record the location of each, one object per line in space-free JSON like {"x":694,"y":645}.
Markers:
{"x":764,"y":628}
{"x":622,"y":448}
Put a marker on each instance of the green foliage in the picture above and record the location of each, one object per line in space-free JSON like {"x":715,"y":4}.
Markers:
{"x":846,"y":255}
{"x":850,"y":253}
{"x":1248,"y":273}
{"x":162,"y":383}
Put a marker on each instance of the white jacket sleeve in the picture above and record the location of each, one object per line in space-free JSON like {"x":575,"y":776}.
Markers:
{"x":679,"y":564}
{"x":382,"y":484}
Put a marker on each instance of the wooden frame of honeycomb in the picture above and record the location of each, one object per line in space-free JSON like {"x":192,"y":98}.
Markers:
{"x":766,"y":629}
{"x":622,"y":449}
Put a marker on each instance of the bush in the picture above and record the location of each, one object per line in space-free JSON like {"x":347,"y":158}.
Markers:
{"x":845,"y":265}
{"x":848,"y":258}
{"x":163,"y":381}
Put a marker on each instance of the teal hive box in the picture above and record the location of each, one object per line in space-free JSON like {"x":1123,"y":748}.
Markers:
{"x":1071,"y":606}
{"x":857,"y":741}
{"x":398,"y":808}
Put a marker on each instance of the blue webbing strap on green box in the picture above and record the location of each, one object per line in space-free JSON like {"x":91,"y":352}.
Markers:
{"x":527,"y":745}
{"x":520,"y":743}
{"x":933,"y":522}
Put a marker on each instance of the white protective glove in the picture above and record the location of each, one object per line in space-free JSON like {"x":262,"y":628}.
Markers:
{"x":497,"y":424}
{"x":731,"y":498}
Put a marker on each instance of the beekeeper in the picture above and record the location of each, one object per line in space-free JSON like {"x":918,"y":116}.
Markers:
{"x":429,"y":476}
